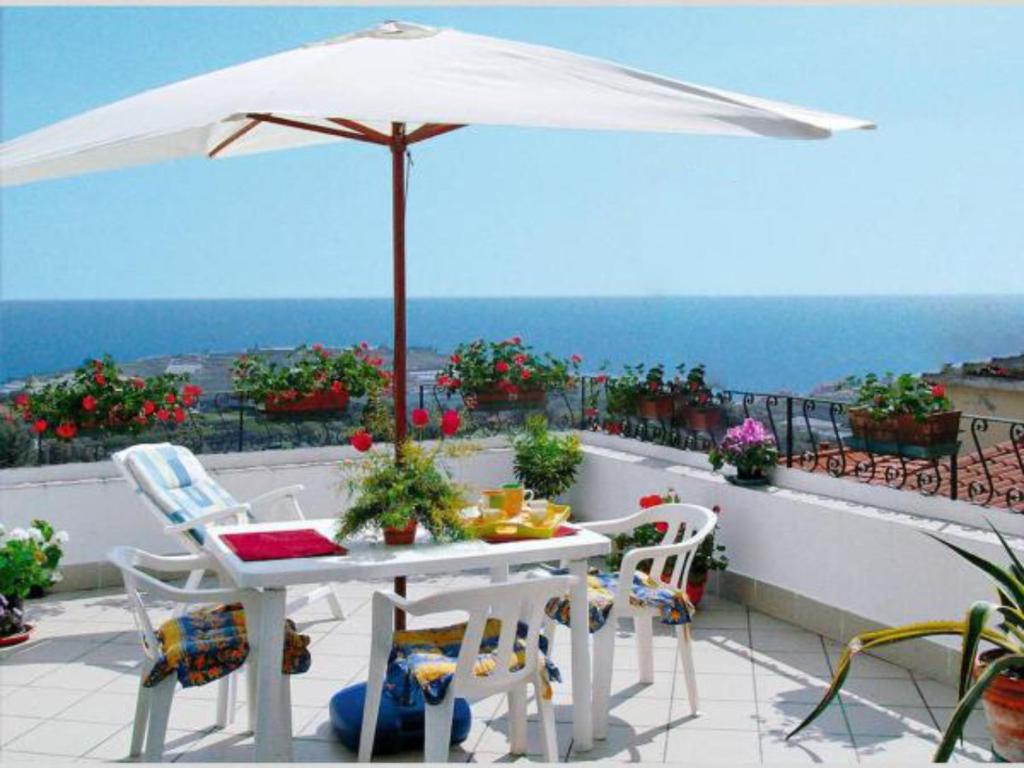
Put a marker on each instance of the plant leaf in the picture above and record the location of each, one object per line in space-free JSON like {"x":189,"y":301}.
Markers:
{"x":1013,"y":585}
{"x":977,"y":617}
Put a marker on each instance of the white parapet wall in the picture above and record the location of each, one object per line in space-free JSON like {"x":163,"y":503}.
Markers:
{"x":832,"y":555}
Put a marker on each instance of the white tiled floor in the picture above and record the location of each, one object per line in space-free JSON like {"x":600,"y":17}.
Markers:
{"x":70,"y":694}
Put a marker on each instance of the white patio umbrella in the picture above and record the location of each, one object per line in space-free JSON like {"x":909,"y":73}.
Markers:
{"x":395,"y":84}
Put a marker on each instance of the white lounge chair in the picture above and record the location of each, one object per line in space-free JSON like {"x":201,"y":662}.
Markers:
{"x":481,"y":658}
{"x":633,"y":593}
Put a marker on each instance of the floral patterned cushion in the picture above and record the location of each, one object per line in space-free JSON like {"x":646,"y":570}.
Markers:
{"x":671,"y":604}
{"x":208,"y":643}
{"x":427,"y":659}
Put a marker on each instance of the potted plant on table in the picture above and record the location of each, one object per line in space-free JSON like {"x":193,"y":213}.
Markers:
{"x":695,"y":402}
{"x":98,"y":396}
{"x":710,"y":556}
{"x":310,"y":380}
{"x":395,"y":496}
{"x":545,"y":462}
{"x":751,"y":449}
{"x":994,"y":676}
{"x":493,"y":376}
{"x":890,"y":412}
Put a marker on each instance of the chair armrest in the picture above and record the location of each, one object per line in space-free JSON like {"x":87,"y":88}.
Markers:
{"x":200,"y":520}
{"x":606,"y":527}
{"x":175,"y":563}
{"x":277,"y":493}
{"x":396,"y":600}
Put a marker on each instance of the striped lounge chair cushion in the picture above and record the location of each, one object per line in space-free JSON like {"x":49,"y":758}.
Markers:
{"x":208,"y":643}
{"x":427,"y":658}
{"x":671,"y":604}
{"x":176,"y":482}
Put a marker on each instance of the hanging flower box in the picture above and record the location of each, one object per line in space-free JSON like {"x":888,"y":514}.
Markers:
{"x":326,"y":400}
{"x":905,"y":429}
{"x":498,"y":399}
{"x":893,"y":413}
{"x":659,"y":407}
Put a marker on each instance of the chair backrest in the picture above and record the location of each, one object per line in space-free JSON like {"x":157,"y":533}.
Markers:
{"x":511,"y":603}
{"x":690,"y":521}
{"x":130,"y":560}
{"x":173,"y":484}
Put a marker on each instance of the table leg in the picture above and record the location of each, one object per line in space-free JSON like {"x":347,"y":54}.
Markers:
{"x":579,"y":629}
{"x":273,"y":709}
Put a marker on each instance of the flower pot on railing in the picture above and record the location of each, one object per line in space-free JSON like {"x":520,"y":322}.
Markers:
{"x":495,"y":399}
{"x":659,"y":407}
{"x":315,"y":402}
{"x":905,"y":430}
{"x":1003,"y":702}
{"x":700,"y":418}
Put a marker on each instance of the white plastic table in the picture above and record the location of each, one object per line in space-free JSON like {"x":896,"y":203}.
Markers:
{"x":368,"y":560}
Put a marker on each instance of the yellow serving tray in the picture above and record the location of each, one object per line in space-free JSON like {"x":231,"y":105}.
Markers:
{"x":520,"y":526}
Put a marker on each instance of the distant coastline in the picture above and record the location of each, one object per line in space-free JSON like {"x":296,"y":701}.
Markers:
{"x":755,"y":343}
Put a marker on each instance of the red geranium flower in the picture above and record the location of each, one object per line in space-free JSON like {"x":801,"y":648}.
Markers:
{"x":501,"y":366}
{"x":590,"y":413}
{"x":516,"y":340}
{"x":89,"y":403}
{"x":337,"y":387}
{"x":148,"y":407}
{"x":100,"y":379}
{"x":456,"y":383}
{"x":661,"y":527}
{"x":40,"y":426}
{"x":450,"y":423}
{"x":21,"y":400}
{"x":179,"y":415}
{"x":364,"y":345}
{"x":140,"y":383}
{"x":600,"y":379}
{"x":442,"y":380}
{"x":170,"y":399}
{"x":66,"y":430}
{"x":456,"y":359}
{"x":526,"y":374}
{"x":576,"y":359}
{"x":97,"y":364}
{"x":361,"y":440}
{"x":938,"y":391}
{"x":163,"y":414}
{"x":653,"y":500}
{"x":420,"y":417}
{"x":520,"y":359}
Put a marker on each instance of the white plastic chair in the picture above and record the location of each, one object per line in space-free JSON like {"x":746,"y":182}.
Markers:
{"x":512,"y":602}
{"x":175,"y":486}
{"x":698,"y":523}
{"x":153,"y":706}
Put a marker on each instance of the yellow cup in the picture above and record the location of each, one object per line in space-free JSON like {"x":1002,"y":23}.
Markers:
{"x":515,"y":497}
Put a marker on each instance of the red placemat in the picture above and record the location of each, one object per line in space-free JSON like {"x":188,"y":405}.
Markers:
{"x":281,"y":545}
{"x":562,"y":530}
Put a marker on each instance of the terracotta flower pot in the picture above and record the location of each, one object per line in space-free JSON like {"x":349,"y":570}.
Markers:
{"x":695,"y":592}
{"x":904,"y":429}
{"x":400,"y":537}
{"x":701,"y":418}
{"x":658,"y":407}
{"x":494,"y":399}
{"x":1003,"y":702}
{"x":325,"y":400}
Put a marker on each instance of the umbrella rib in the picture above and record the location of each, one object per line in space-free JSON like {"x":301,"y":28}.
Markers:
{"x":366,"y":130}
{"x":430,"y":130}
{"x":233,"y":138}
{"x":298,"y":124}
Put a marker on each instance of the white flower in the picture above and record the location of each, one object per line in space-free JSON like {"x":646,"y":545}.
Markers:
{"x":61,"y":537}
{"x":19,"y":534}
{"x":56,"y":576}
{"x":36,"y":535}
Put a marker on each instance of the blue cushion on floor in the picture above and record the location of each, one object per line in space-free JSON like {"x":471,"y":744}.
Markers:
{"x":399,"y":725}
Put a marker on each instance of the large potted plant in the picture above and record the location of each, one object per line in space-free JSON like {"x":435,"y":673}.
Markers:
{"x":995,"y":677}
{"x":502,"y":375}
{"x":311,"y":379}
{"x":695,"y":402}
{"x":890,"y":412}
{"x":545,"y":462}
{"x":710,"y":556}
{"x":751,"y":449}
{"x":397,"y":496}
{"x":99,"y":397}
{"x":23,"y":565}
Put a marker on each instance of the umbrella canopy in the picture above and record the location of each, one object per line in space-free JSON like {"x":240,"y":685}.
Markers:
{"x":395,"y":72}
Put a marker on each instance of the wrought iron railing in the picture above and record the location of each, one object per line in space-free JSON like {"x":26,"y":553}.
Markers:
{"x":985,"y":466}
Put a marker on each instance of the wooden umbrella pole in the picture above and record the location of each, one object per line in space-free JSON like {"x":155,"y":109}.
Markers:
{"x":398,"y":145}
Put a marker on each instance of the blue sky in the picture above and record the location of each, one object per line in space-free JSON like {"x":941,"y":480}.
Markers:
{"x":932,"y":202}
